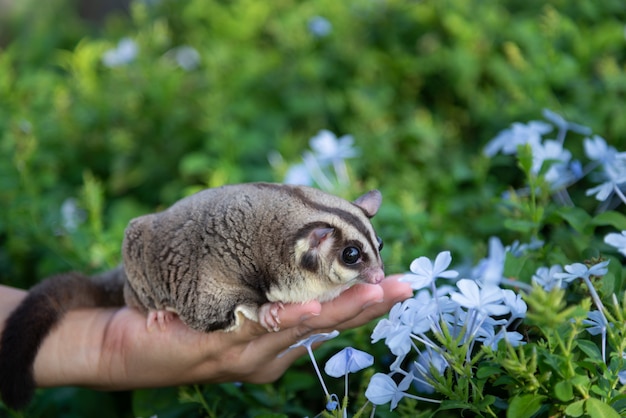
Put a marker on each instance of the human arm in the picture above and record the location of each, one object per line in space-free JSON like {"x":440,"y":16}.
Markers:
{"x":111,"y":349}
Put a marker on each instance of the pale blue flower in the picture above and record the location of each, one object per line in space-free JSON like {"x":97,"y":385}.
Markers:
{"x":185,"y":56}
{"x":517,"y":249}
{"x":578,"y":270}
{"x":487,"y":300}
{"x":333,"y":403}
{"x":426,"y":360}
{"x":298,"y":174}
{"x":602,"y":192}
{"x":312,"y":339}
{"x":597,"y":323}
{"x":549,"y":151}
{"x":383,"y":389}
{"x":328,"y":149}
{"x":419,"y":312}
{"x":348,"y":360}
{"x":597,"y":326}
{"x":307,"y":343}
{"x":490,"y":270}
{"x":124,"y":53}
{"x":512,"y":338}
{"x":563,"y":124}
{"x":320,"y":26}
{"x":397,"y":335}
{"x":515,"y":303}
{"x":72,"y":215}
{"x":581,"y":271}
{"x":597,"y":149}
{"x":508,"y":140}
{"x":547,"y":277}
{"x":617,"y":240}
{"x":613,"y":172}
{"x":425,"y":272}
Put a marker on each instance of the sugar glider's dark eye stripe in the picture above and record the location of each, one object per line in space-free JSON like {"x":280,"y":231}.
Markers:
{"x":350,"y":218}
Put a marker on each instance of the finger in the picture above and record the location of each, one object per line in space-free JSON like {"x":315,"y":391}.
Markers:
{"x":394,"y":292}
{"x":289,"y":316}
{"x":360,"y":304}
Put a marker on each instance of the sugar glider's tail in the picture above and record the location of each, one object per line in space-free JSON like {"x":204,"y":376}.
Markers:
{"x":34,"y":318}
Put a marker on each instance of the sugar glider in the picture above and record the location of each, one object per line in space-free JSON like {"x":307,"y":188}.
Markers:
{"x":211,"y":259}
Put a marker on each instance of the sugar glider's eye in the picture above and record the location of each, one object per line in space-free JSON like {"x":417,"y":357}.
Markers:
{"x":380,"y":243}
{"x":350,"y":255}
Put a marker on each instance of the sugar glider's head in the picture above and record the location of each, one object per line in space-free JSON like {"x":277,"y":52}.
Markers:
{"x":336,"y":248}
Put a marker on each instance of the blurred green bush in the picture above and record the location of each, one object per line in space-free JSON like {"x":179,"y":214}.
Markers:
{"x":421,"y":86}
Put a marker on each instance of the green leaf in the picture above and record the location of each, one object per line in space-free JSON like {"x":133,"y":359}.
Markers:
{"x":577,"y":218}
{"x":487,"y":371}
{"x":564,"y":390}
{"x":598,"y":409}
{"x":525,"y":158}
{"x":524,"y":406}
{"x":590,"y":349}
{"x":575,"y":409}
{"x":610,"y":218}
{"x":519,"y":225}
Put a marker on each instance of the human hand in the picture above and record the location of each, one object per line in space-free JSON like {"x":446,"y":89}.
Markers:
{"x":111,"y":349}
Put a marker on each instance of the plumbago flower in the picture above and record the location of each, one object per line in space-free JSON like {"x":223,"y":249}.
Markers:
{"x":425,"y":272}
{"x":618,"y":241}
{"x":124,"y":53}
{"x":307,"y":343}
{"x":560,"y":170}
{"x":548,"y":277}
{"x":477,"y":311}
{"x":323,"y":165}
{"x":613,"y":165}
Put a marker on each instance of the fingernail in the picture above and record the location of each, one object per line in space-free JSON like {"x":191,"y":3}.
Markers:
{"x":372,"y":302}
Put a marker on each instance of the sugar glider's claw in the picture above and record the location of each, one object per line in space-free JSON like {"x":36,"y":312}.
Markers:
{"x":268,"y":316}
{"x":160,"y":318}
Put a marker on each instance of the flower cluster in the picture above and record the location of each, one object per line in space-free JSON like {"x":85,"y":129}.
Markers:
{"x":324,"y":165}
{"x":606,"y":166}
{"x":474,"y":312}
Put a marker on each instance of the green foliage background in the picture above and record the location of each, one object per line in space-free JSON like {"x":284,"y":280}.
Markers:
{"x":422,"y":86}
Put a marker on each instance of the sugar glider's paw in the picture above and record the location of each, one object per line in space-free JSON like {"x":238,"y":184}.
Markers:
{"x":159,"y":318}
{"x":268,"y":316}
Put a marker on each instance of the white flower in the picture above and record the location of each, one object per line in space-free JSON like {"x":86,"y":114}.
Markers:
{"x":618,"y":241}
{"x":546,"y":277}
{"x":490,"y":270}
{"x":564,"y":125}
{"x":597,"y":149}
{"x":348,"y":360}
{"x":298,"y":174}
{"x":518,"y":134}
{"x":187,"y":57}
{"x":328,"y":149}
{"x":383,"y":389}
{"x":581,"y":271}
{"x":71,"y":214}
{"x":487,"y":300}
{"x":125,"y":53}
{"x":424,"y":271}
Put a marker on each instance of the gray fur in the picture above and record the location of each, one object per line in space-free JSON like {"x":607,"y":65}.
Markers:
{"x":231,"y":247}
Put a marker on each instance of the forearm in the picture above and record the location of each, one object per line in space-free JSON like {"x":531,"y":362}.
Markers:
{"x":112,"y":349}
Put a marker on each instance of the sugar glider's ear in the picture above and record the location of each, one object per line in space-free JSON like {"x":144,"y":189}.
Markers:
{"x":369,"y":202}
